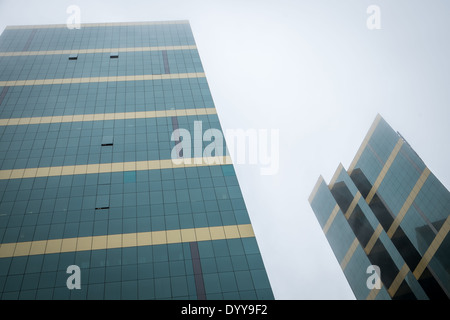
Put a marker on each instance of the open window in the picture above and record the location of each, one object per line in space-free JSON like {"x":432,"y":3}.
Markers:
{"x":107,"y":141}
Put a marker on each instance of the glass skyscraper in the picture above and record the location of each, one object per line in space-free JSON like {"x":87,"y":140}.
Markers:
{"x":90,"y":170}
{"x":387,"y":218}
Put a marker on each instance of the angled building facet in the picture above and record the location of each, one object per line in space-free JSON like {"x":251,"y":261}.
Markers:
{"x":95,"y":174}
{"x":387,"y":210}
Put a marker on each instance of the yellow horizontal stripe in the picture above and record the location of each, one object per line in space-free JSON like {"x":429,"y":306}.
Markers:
{"x":373,"y":293}
{"x":364,"y":144}
{"x":112,"y":167}
{"x":434,"y":246}
{"x":315,"y":189}
{"x":107,"y":116}
{"x":106,"y":24}
{"x":104,"y":50}
{"x":384,"y":171}
{"x":331,"y":219}
{"x":335,"y":176}
{"x":411,"y":197}
{"x":373,"y":239}
{"x":349,"y":254}
{"x":398,"y":280}
{"x":126,"y":240}
{"x":352,"y":205}
{"x":39,"y":82}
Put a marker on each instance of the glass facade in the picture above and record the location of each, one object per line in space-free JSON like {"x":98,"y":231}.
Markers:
{"x":87,"y":177}
{"x":387,"y":210}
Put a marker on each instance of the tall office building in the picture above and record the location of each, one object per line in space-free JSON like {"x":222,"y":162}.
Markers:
{"x":387,"y":218}
{"x":102,"y":196}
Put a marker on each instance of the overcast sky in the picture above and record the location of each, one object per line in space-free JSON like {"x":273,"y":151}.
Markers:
{"x":314,"y":71}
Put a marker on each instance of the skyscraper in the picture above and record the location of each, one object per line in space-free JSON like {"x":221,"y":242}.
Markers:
{"x":101,"y":198}
{"x":387,"y":219}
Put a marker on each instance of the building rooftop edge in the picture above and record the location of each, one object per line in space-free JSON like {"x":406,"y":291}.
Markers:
{"x":367,"y":137}
{"x":99,"y":24}
{"x":315,"y":189}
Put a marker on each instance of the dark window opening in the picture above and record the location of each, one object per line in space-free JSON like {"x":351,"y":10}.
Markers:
{"x":361,"y":182}
{"x":381,"y":258}
{"x":360,"y":226}
{"x":381,"y":211}
{"x":404,"y":292}
{"x":102,"y":202}
{"x":107,"y":141}
{"x":342,"y":195}
{"x":431,"y":286}
{"x":102,"y":208}
{"x":406,"y":248}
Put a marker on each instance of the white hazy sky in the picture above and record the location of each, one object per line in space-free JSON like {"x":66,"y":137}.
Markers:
{"x":313,"y":70}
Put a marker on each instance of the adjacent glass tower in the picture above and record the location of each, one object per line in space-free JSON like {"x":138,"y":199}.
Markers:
{"x":90,"y":170}
{"x":387,"y":210}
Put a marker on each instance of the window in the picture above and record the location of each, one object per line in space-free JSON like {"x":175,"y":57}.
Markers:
{"x":107,"y":141}
{"x":102,"y":202}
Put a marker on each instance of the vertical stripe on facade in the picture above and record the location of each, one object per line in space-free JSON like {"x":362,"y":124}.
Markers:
{"x":166,"y":62}
{"x":198,"y":273}
{"x":30,"y":38}
{"x":3,"y":94}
